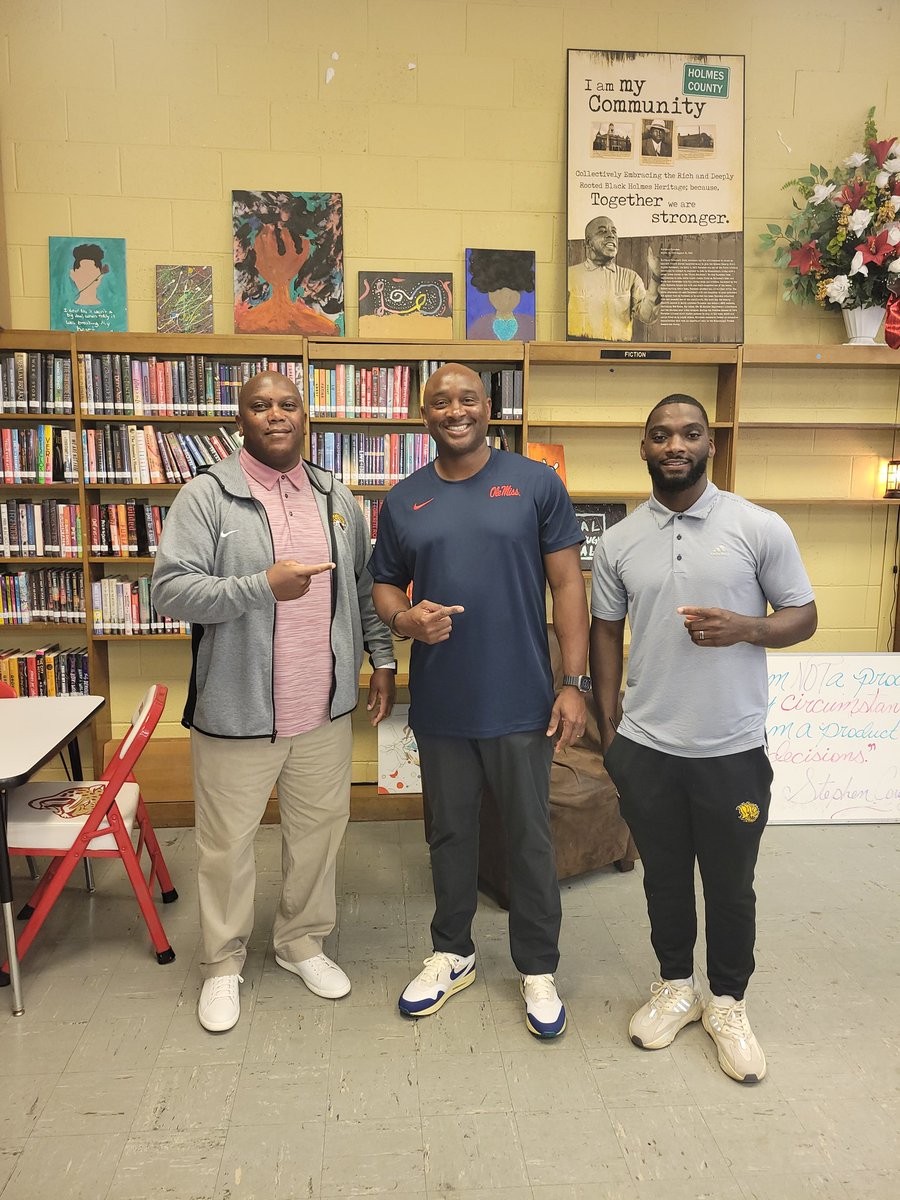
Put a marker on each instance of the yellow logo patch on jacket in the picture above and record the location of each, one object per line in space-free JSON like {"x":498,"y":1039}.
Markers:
{"x":748,"y":811}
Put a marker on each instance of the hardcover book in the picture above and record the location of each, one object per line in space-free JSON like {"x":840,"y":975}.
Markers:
{"x":87,"y":284}
{"x":405,"y":304}
{"x":184,"y":300}
{"x":551,"y":454}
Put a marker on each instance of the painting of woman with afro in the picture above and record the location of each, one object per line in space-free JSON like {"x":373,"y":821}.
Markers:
{"x":500,"y":295}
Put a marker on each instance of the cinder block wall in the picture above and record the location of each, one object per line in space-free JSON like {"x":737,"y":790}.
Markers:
{"x":442,"y":122}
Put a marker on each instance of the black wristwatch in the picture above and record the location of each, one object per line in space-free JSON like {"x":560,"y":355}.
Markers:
{"x":582,"y":682}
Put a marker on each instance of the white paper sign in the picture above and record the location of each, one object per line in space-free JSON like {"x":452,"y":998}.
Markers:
{"x":398,"y":754}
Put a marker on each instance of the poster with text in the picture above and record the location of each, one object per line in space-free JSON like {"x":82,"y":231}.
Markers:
{"x":655,"y":197}
{"x":288,"y":263}
{"x":87,"y":284}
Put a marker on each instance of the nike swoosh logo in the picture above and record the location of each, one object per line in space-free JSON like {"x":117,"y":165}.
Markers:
{"x":228,"y":533}
{"x":416,"y":507}
{"x":454,"y":975}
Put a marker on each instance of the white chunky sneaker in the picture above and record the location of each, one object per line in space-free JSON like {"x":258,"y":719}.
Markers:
{"x":442,"y":976}
{"x":740,"y":1054}
{"x":671,"y":1006}
{"x":219,"y":1006}
{"x":322,"y":976}
{"x":545,"y":1013}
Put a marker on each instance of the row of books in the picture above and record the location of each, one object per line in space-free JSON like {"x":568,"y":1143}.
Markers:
{"x":130,"y":529}
{"x":39,"y":454}
{"x":51,"y":594}
{"x":134,"y":454}
{"x":122,"y":606}
{"x":48,"y":528}
{"x":190,"y":386}
{"x":46,"y":671}
{"x":504,"y":388}
{"x":366,"y":460}
{"x":347,"y":390}
{"x":370,"y":506}
{"x":36,"y":381}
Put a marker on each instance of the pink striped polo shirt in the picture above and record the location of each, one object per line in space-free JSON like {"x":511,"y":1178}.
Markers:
{"x":303,"y":665}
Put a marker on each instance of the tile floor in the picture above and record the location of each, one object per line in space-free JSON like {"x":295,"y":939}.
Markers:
{"x":110,"y":1090}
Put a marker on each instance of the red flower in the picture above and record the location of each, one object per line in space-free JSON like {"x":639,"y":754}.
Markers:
{"x":875,"y":249}
{"x":880,"y":151}
{"x":852,"y":194}
{"x":806,"y":259}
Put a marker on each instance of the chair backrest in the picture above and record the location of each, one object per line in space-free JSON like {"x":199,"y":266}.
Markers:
{"x":132,"y":744}
{"x":7,"y":692}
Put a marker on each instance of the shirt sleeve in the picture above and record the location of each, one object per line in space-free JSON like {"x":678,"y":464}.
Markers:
{"x":642,"y":306}
{"x":388,"y":563}
{"x":609,"y":599}
{"x":558,"y":527}
{"x":780,"y":570}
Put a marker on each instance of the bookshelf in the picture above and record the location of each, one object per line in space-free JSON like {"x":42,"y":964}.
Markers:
{"x":834,"y":435}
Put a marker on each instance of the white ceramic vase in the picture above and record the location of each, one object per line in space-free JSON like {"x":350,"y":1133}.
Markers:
{"x":862,"y":325}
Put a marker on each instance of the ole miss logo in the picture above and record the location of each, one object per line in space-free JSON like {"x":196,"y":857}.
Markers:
{"x":505,"y":489}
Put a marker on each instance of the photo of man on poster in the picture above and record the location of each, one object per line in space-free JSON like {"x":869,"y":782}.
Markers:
{"x":603,"y":298}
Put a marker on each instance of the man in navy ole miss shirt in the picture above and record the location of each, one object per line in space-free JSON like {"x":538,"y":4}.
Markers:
{"x":480,"y":533}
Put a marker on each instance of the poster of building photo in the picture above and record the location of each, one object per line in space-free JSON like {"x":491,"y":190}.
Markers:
{"x":655,"y":197}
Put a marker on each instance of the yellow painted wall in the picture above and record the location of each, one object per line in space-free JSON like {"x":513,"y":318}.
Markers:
{"x":442,"y":123}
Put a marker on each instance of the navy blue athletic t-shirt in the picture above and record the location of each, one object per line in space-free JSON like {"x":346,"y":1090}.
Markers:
{"x":478,"y":542}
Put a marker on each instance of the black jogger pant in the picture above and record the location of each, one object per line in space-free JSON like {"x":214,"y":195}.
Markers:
{"x":516,"y":767}
{"x":709,"y":809}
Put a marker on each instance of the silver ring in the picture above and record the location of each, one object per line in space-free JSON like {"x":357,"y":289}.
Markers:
{"x":701,"y":634}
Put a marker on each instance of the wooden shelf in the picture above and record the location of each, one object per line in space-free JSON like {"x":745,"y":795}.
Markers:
{"x":363,"y":351}
{"x":103,"y":559}
{"x":540,"y":423}
{"x":132,"y":487}
{"x":820,"y":356}
{"x":589,"y":354}
{"x":882,"y":425}
{"x":141,"y":637}
{"x":176,"y":345}
{"x":413,"y":422}
{"x":42,"y":560}
{"x":138,"y":419}
{"x":603,"y":497}
{"x":43,"y":488}
{"x":835,"y":501}
{"x":37,"y":418}
{"x":44,"y":626}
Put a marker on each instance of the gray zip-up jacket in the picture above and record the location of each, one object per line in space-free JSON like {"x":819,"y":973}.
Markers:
{"x":210,"y":569}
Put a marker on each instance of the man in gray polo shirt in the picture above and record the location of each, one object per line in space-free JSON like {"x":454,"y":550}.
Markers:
{"x":695,"y":570}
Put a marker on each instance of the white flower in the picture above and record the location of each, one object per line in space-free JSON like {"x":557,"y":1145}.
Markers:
{"x":881,"y":179}
{"x":859,"y":220}
{"x":894,"y":266}
{"x":856,"y":266}
{"x":893,"y":235}
{"x":892,"y":165}
{"x":821,"y":192}
{"x":895,"y":200}
{"x":838,"y":289}
{"x":856,"y":160}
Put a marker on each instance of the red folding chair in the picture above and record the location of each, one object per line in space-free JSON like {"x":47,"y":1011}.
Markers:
{"x":95,"y":819}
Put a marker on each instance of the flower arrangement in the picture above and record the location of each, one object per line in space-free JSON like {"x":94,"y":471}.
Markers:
{"x":843,"y":244}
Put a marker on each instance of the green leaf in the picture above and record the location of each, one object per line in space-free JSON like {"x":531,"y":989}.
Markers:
{"x":812,"y":168}
{"x":774,"y":229}
{"x":808,"y":180}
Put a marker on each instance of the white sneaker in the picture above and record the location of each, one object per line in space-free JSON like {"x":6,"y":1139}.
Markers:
{"x":545,"y":1013}
{"x":671,"y":1006}
{"x":322,"y":976}
{"x":740,"y":1054}
{"x":219,"y":1006}
{"x":442,"y":977}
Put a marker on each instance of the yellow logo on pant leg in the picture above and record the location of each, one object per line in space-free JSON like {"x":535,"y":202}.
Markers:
{"x":748,"y":811}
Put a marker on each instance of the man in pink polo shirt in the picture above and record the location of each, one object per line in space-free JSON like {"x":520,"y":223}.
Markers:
{"x":277,"y":648}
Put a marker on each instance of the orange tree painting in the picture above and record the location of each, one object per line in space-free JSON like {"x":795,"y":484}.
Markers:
{"x":288,"y":263}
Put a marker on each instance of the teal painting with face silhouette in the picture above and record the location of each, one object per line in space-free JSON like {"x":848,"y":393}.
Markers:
{"x":87,"y":284}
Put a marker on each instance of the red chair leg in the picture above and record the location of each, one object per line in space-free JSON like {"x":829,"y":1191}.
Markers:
{"x":164,"y":952}
{"x":49,"y":896}
{"x":159,"y":868}
{"x":27,"y":909}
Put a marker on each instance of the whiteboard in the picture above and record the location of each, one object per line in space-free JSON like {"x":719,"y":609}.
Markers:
{"x":833,"y":729}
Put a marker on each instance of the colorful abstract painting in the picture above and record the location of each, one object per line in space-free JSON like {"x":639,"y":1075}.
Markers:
{"x":500,"y":295}
{"x":87,"y":284}
{"x":288,"y":263}
{"x":184,"y":301}
{"x":406,"y":304}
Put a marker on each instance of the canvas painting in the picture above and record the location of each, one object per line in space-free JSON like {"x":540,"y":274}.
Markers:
{"x":500,"y":295}
{"x":398,"y":754}
{"x":184,"y":301}
{"x":405,"y":304}
{"x":288,"y":263}
{"x":87,"y":284}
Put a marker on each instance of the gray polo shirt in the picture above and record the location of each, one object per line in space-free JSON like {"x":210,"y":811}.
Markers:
{"x":724,"y":552}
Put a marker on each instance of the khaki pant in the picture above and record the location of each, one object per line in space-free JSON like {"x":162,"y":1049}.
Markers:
{"x":233,"y":780}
